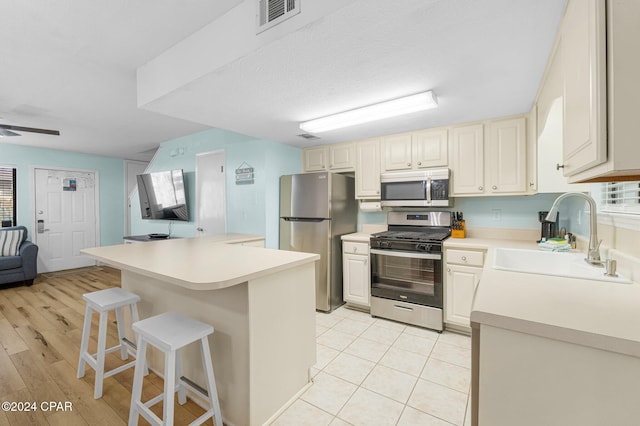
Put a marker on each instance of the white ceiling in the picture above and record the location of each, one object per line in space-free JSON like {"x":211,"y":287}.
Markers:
{"x":71,"y":65}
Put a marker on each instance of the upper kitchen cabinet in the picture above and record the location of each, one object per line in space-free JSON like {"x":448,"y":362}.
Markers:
{"x":467,"y":160}
{"x":548,"y":130}
{"x":506,"y":151}
{"x":490,"y":159}
{"x":601,"y":92}
{"x":417,"y":150}
{"x":315,"y":159}
{"x":338,"y":157}
{"x":368,"y":169}
{"x":582,"y":45}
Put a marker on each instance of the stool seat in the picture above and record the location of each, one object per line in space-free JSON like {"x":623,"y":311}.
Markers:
{"x":103,"y":301}
{"x":109,"y":299}
{"x":171,"y":331}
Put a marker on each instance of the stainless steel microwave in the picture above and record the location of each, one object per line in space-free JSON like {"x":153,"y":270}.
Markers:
{"x":419,"y":188}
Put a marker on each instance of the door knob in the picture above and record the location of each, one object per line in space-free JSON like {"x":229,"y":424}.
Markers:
{"x":199,"y":229}
{"x":559,"y":166}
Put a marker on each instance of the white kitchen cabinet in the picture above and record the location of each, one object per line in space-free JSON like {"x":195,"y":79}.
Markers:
{"x":430,"y":148}
{"x":396,"y":152}
{"x":314,"y":159}
{"x":490,"y":158}
{"x":506,"y":170}
{"x":549,"y":119}
{"x":356,"y":281}
{"x":582,"y":43}
{"x":463,"y":269}
{"x":368,"y":169}
{"x":342,"y":157}
{"x":615,"y":131}
{"x":467,"y":160}
{"x":338,"y":157}
{"x":417,"y":150}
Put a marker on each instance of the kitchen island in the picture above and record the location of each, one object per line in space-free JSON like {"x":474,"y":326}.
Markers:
{"x":261,"y":303}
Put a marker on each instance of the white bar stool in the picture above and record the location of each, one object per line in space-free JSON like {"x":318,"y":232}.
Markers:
{"x":102,"y":302}
{"x":169,"y":332}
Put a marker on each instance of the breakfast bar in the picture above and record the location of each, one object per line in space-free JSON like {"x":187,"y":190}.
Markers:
{"x":260,"y":301}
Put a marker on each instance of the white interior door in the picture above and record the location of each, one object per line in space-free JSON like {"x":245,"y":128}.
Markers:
{"x":65,"y":219}
{"x":211,"y":205}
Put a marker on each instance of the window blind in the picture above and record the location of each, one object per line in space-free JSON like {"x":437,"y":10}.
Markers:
{"x":8,"y":196}
{"x":621,"y":197}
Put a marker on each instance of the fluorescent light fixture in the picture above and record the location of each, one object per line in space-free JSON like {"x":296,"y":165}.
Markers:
{"x":392,"y":108}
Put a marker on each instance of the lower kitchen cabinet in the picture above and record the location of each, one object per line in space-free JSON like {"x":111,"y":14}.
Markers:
{"x":462,"y":274}
{"x":355,"y":273}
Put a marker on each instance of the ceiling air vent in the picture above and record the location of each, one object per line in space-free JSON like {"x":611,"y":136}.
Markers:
{"x":308,"y":136}
{"x":272,"y":12}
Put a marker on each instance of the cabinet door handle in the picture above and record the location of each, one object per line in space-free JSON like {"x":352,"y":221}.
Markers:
{"x":409,"y":164}
{"x":531,"y":184}
{"x":480,"y":188}
{"x":449,"y":270}
{"x":419,"y":163}
{"x":494,"y":187}
{"x":559,"y":166}
{"x":464,"y":258}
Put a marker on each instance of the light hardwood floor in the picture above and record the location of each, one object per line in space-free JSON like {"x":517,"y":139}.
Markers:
{"x":40,"y":332}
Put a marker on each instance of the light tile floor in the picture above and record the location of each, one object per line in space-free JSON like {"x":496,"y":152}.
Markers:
{"x":371,"y":371}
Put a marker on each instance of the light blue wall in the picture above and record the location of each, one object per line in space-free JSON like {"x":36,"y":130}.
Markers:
{"x":110,"y":175}
{"x":251,"y":209}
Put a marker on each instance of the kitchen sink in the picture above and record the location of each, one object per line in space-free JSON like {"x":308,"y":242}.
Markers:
{"x":571,"y":265}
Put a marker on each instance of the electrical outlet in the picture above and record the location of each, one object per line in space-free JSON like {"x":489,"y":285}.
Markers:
{"x":497,"y":214}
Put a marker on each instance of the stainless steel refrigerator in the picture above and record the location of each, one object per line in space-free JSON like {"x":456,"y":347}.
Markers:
{"x":315,"y":210}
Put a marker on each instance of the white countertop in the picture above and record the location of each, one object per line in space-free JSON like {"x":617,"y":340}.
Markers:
{"x":200,"y":263}
{"x":598,"y":314}
{"x":359,"y":237}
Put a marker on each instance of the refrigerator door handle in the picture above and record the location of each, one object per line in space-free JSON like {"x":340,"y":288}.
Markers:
{"x":304,"y":219}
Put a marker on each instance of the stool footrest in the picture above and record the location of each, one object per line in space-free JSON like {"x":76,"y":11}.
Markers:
{"x":119,"y":369}
{"x":202,"y":418}
{"x":194,"y":386}
{"x":148,"y":414}
{"x":153,"y":401}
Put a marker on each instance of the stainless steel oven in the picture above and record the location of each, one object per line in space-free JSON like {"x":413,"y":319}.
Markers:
{"x":407,"y":269}
{"x":412,"y":277}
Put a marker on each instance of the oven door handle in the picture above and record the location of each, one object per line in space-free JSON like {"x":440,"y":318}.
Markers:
{"x":406,"y":254}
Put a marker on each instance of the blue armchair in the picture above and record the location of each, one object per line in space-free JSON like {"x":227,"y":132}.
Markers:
{"x":22,"y":267}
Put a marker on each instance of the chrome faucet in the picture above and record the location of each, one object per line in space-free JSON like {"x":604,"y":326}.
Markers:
{"x":593,"y":254}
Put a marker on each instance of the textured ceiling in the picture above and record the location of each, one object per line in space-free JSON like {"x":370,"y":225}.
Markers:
{"x":71,"y":65}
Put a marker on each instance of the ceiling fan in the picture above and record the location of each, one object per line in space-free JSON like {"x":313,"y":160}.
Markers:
{"x":6,"y":130}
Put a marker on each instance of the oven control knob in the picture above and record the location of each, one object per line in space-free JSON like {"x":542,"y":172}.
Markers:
{"x":385,"y":244}
{"x":424,"y":247}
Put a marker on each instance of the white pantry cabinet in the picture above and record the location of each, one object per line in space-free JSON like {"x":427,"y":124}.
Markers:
{"x":356,"y":281}
{"x":368,"y":169}
{"x":416,"y":150}
{"x":463,"y":269}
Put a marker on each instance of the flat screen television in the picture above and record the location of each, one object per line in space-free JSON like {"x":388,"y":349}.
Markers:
{"x":163,"y":195}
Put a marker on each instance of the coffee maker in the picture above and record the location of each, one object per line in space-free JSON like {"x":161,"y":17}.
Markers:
{"x":548,"y":229}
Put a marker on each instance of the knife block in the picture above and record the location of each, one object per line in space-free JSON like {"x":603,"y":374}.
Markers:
{"x":458,"y":230}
